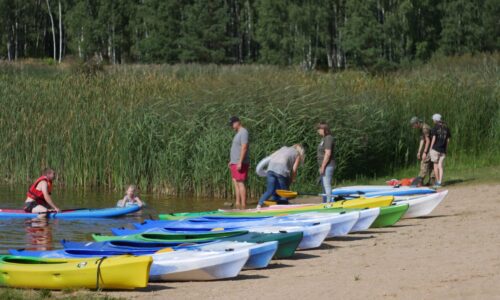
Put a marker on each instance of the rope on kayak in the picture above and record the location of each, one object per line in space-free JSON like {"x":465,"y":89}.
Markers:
{"x":99,"y":275}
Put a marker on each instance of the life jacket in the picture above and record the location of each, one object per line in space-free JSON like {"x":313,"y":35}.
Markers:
{"x":37,"y":195}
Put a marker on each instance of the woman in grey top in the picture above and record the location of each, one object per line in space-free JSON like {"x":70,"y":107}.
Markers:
{"x":282,"y":169}
{"x":326,"y":160}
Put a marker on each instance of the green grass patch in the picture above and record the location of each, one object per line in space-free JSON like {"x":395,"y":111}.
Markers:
{"x":19,"y":294}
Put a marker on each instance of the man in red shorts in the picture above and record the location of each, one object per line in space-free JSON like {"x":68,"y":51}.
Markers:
{"x":239,"y":161}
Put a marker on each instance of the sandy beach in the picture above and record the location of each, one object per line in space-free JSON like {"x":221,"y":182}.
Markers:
{"x":453,"y":253}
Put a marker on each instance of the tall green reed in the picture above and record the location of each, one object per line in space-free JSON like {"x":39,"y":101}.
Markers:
{"x":164,"y":127}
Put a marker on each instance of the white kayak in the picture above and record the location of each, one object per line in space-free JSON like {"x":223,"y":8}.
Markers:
{"x":314,"y":235}
{"x":260,"y":254}
{"x":366,"y":219}
{"x":423,"y":205}
{"x":197,"y":265}
{"x":341,"y":223}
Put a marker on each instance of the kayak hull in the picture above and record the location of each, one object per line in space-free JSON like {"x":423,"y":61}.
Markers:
{"x":197,"y":265}
{"x":112,"y":212}
{"x":423,"y":206}
{"x":366,"y":219}
{"x":57,"y":274}
{"x":390,"y":215}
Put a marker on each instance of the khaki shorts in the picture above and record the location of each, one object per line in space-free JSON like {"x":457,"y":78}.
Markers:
{"x":436,"y":156}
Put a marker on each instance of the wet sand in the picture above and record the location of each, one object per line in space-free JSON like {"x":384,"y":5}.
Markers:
{"x":453,"y":253}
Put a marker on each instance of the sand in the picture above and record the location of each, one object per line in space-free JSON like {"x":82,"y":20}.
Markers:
{"x":453,"y":253}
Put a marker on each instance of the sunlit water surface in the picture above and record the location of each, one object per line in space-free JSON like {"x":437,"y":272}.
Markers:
{"x":46,"y":234}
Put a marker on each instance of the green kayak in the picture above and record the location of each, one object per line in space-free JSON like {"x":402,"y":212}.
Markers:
{"x":389,"y":215}
{"x":287,"y":241}
{"x":184,"y":237}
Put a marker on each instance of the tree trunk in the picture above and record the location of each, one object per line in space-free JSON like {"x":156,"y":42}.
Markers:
{"x":53,"y":30}
{"x":60,"y":32}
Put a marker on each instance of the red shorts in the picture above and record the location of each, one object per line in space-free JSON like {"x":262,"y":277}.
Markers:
{"x":240,"y":175}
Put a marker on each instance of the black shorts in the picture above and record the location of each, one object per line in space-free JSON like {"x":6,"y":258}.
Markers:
{"x":32,"y":204}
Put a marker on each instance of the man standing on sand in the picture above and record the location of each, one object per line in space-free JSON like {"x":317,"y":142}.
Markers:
{"x":239,"y":161}
{"x":440,"y":138}
{"x":423,"y":150}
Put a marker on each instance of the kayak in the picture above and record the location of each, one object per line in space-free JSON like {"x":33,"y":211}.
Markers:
{"x":260,"y":254}
{"x":197,"y":265}
{"x":366,"y":219}
{"x":287,"y":242}
{"x":172,"y":237}
{"x":382,"y":190}
{"x":249,"y":213}
{"x":313,"y":235}
{"x":91,"y":273}
{"x":83,"y":213}
{"x":390,"y":215}
{"x":341,"y":223}
{"x":422,"y":206}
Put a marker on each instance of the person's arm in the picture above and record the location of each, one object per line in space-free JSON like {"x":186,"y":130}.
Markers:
{"x":43,"y":186}
{"x":433,"y":141}
{"x":420,"y":146}
{"x":244,"y":149}
{"x":294,"y":169}
{"x":326,"y":159}
{"x":139,"y":201}
{"x":426,"y":147}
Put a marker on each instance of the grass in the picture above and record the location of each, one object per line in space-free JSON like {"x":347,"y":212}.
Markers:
{"x":164,"y":127}
{"x":17,"y":294}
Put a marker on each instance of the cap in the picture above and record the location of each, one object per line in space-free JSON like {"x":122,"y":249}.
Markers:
{"x":414,"y":120}
{"x":233,"y":119}
{"x":436,"y":117}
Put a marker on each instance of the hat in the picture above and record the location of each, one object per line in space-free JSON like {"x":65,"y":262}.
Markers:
{"x":233,"y":120}
{"x":436,"y":117}
{"x":414,"y":120}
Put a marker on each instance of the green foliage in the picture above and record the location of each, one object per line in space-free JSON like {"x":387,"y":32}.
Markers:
{"x":374,"y":35}
{"x":165,"y":127}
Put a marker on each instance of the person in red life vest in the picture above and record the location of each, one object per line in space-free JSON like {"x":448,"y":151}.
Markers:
{"x":38,"y":198}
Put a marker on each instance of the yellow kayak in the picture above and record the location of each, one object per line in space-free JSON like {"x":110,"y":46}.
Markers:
{"x":118,"y":272}
{"x":354,"y":203}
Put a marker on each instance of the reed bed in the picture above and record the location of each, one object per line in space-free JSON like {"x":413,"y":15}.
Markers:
{"x":165,"y":127}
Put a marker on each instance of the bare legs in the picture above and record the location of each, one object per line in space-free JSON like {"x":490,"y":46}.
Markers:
{"x":241,"y":194}
{"x":438,"y":170}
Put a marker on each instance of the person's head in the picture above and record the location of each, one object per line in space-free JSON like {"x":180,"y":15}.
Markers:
{"x":132,"y":191}
{"x":415,"y":122}
{"x":323,"y":129}
{"x":301,"y":151}
{"x":49,"y":173}
{"x":235,"y":123}
{"x":436,"y":118}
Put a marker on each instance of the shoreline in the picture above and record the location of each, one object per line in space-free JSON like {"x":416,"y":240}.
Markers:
{"x":453,"y":253}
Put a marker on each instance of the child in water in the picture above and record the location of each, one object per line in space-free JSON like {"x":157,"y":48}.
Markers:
{"x":131,"y":198}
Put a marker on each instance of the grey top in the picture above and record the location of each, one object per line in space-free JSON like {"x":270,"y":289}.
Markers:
{"x":239,"y":139}
{"x":282,"y":161}
{"x":327,"y":143}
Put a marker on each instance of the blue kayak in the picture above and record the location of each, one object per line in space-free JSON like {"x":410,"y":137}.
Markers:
{"x":382,"y":190}
{"x":259,"y":253}
{"x":84,"y":213}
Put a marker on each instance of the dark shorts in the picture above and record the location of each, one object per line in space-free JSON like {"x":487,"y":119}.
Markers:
{"x":239,"y":175}
{"x":28,"y":207}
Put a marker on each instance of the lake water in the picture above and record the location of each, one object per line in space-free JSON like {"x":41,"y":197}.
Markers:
{"x":46,"y":234}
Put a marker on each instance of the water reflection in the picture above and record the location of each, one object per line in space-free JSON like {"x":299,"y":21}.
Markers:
{"x":43,"y":234}
{"x":38,"y":234}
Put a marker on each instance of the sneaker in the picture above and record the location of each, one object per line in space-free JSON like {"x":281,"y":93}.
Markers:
{"x":437,"y":185}
{"x":258,"y":206}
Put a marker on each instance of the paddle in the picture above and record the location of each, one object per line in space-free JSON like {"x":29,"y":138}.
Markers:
{"x":291,"y":194}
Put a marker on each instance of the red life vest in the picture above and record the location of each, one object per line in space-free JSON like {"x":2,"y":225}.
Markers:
{"x":37,"y":195}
